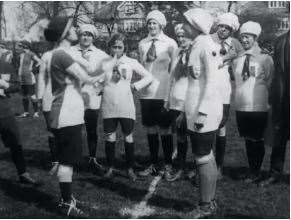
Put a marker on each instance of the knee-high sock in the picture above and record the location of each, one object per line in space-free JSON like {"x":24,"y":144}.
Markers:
{"x":25,"y":102}
{"x":259,"y":152}
{"x":64,"y":175}
{"x":18,"y":159}
{"x":35,"y":105}
{"x":250,"y":155}
{"x":167,"y":144}
{"x":220,"y":150}
{"x":129,"y":154}
{"x":153,"y":141}
{"x":53,"y":148}
{"x":110,"y":152}
{"x":66,"y":191}
{"x":91,"y":118}
{"x":182,"y":148}
{"x":208,"y":176}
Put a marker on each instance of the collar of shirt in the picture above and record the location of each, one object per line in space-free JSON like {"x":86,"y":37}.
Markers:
{"x":254,"y":51}
{"x":90,"y":48}
{"x":160,"y":37}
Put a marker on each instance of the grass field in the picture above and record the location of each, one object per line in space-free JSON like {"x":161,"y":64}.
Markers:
{"x":109,"y":198}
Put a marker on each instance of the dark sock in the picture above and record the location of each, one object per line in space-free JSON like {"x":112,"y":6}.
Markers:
{"x":129,"y":154}
{"x":66,"y":191}
{"x":153,"y":141}
{"x":207,"y":176}
{"x":18,"y":159}
{"x":259,"y":152}
{"x":250,"y":155}
{"x":167,"y":144}
{"x":53,"y":148}
{"x":92,"y":145}
{"x":110,"y":152}
{"x":182,"y":148}
{"x":35,"y":105}
{"x":220,"y":150}
{"x":25,"y":102}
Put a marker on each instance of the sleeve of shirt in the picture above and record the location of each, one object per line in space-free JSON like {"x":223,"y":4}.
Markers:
{"x":140,"y":53}
{"x":62,"y":59}
{"x":147,"y":77}
{"x":269,"y":70}
{"x":41,"y":77}
{"x":237,"y":46}
{"x":211,"y":66}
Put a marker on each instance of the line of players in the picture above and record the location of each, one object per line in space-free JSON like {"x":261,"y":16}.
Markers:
{"x":189,"y":85}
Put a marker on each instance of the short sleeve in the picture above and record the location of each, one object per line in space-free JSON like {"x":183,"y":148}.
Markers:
{"x":62,"y":59}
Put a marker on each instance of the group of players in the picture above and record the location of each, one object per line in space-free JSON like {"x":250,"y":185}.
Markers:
{"x":187,"y":85}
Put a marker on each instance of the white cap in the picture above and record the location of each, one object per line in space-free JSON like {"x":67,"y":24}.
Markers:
{"x":88,"y":28}
{"x":200,"y":19}
{"x":251,"y":27}
{"x":158,"y":16}
{"x":230,"y":20}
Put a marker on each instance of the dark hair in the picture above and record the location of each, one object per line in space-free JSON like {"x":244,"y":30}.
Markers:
{"x":117,"y":37}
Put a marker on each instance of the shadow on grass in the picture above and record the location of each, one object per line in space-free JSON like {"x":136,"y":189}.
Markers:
{"x":20,"y":192}
{"x":136,"y":195}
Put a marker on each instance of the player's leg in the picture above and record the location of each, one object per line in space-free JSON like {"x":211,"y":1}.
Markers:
{"x":202,"y":148}
{"x":91,"y":119}
{"x":110,"y":126}
{"x":127,"y":126}
{"x":165,"y":120}
{"x":11,"y":139}
{"x":149,"y":121}
{"x":69,"y":140}
{"x":34,"y":100}
{"x":25,"y":100}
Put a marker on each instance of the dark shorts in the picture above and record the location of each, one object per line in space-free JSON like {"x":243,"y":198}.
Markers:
{"x":202,"y":143}
{"x":154,"y":114}
{"x":110,"y":125}
{"x":69,"y":144}
{"x":9,"y":132}
{"x":182,"y":130}
{"x":252,"y":124}
{"x":28,"y":90}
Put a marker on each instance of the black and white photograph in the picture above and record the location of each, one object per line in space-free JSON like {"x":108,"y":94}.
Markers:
{"x":145,"y":109}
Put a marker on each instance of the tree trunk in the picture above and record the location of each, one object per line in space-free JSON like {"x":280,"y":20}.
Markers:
{"x":1,"y":12}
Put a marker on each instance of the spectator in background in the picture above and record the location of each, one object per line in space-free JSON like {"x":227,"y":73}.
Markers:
{"x":280,"y":103}
{"x":230,"y":48}
{"x":8,"y":127}
{"x":157,"y":55}
{"x":27,"y":79}
{"x":253,"y":71}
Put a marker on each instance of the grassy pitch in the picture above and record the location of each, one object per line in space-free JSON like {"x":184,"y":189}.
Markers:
{"x":150,"y":197}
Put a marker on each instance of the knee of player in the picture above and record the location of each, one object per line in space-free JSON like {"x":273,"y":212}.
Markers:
{"x":222,"y":132}
{"x":181,"y":138}
{"x":204,"y":159}
{"x":152,"y":130}
{"x":165,"y":131}
{"x":65,"y":173}
{"x":128,"y":138}
{"x":111,"y":137}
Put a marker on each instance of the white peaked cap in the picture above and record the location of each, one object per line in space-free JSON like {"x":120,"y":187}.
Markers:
{"x":251,"y":27}
{"x":88,"y":28}
{"x":230,"y":20}
{"x":158,"y":16}
{"x":200,"y":19}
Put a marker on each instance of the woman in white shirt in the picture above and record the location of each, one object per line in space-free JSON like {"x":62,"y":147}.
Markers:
{"x":157,"y":54}
{"x":253,"y":71}
{"x":177,"y":94}
{"x":117,"y":104}
{"x":203,"y":106}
